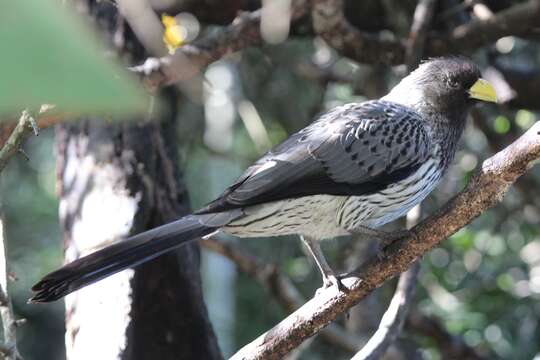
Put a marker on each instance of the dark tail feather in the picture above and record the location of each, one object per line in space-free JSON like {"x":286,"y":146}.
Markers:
{"x":112,"y":259}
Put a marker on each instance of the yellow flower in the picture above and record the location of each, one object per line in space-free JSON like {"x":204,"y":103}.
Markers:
{"x":173,"y":36}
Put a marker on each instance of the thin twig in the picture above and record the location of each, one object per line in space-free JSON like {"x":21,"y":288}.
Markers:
{"x":485,"y":190}
{"x":9,"y":322}
{"x":394,"y":317}
{"x":24,"y":128}
{"x":45,"y":119}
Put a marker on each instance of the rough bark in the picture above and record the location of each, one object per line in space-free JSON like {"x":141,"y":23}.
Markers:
{"x":116,"y":179}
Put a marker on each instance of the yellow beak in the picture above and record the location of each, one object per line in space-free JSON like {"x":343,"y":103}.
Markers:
{"x":483,"y":90}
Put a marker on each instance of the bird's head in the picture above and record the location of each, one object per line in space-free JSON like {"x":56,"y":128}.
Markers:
{"x":448,"y":86}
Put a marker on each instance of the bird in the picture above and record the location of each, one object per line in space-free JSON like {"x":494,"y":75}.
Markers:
{"x":355,"y":168}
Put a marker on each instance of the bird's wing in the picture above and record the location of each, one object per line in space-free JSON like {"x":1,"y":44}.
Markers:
{"x":351,"y":150}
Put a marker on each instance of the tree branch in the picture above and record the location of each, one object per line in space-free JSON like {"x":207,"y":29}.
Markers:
{"x":484,"y":191}
{"x":188,"y":60}
{"x":24,"y":127}
{"x":396,"y":313}
{"x":393,"y":319}
{"x":330,"y":23}
{"x":477,"y":33}
{"x":48,"y":117}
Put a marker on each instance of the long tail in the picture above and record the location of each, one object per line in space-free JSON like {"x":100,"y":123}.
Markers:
{"x":112,"y":259}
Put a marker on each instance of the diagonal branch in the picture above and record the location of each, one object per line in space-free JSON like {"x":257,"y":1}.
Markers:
{"x":477,"y":33}
{"x":393,"y":319}
{"x":330,"y":23}
{"x":10,"y":145}
{"x":25,"y":126}
{"x":22,"y":130}
{"x":485,"y":190}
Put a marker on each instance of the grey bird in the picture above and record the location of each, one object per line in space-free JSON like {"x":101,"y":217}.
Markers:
{"x":354,"y":169}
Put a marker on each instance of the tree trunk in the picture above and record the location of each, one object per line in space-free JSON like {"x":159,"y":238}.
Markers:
{"x":116,"y":179}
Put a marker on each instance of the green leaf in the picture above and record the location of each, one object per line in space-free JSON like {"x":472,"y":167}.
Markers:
{"x":50,"y":56}
{"x":502,"y":124}
{"x":525,"y":119}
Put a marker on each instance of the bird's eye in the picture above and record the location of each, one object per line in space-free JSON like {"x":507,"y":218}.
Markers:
{"x":453,"y":83}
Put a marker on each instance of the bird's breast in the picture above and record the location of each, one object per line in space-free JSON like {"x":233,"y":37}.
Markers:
{"x":314,"y":216}
{"x":328,"y":216}
{"x":376,"y":209}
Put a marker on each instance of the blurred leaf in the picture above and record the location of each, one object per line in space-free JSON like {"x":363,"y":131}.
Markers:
{"x":502,"y":124}
{"x":505,"y":282}
{"x":525,"y":119}
{"x":462,"y":240}
{"x":48,"y":56}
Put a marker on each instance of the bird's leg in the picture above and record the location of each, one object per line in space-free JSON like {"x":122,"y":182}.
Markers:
{"x":329,"y":277}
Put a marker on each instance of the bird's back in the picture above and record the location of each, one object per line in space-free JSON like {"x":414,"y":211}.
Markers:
{"x":360,"y":164}
{"x":353,"y":149}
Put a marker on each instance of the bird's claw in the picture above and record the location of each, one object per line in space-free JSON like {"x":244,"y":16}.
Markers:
{"x":333,"y":281}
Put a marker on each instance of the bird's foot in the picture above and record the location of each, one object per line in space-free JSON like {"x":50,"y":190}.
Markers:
{"x":332,"y":280}
{"x":388,"y":238}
